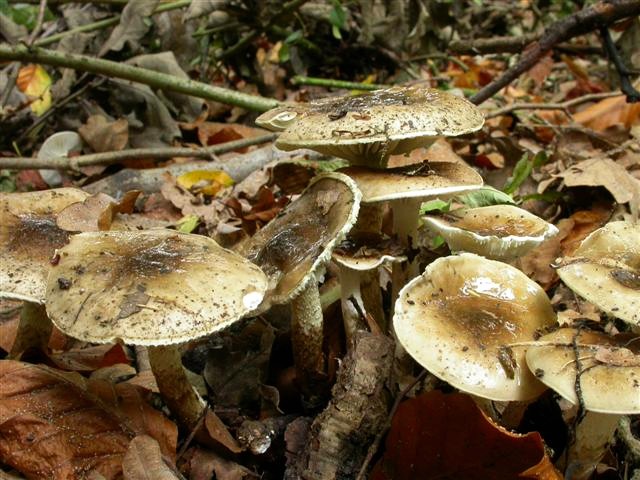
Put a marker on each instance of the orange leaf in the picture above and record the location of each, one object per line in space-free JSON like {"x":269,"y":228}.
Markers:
{"x":35,"y":83}
{"x":609,"y":112}
{"x":448,"y":437}
{"x":59,"y":425}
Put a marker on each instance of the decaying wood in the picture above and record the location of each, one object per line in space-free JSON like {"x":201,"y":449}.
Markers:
{"x":340,"y":436}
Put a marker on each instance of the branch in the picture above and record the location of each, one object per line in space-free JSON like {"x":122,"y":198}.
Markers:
{"x":627,"y":88}
{"x":107,"y":158}
{"x":154,"y":79}
{"x":484,"y":46}
{"x":605,"y":12}
{"x":551,"y":106}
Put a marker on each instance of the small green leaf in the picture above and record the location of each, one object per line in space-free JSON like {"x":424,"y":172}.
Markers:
{"x":540,"y":159}
{"x":338,"y":19}
{"x":284,"y":54}
{"x":437,"y":242}
{"x":335,"y":31}
{"x":294,"y":37}
{"x":188,"y":223}
{"x":436,"y":205}
{"x":485,"y":196}
{"x":7,"y":182}
{"x":521,"y":172}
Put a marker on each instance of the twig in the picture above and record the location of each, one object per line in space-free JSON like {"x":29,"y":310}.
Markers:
{"x":331,"y":83}
{"x":588,"y":19}
{"x":362,"y":474}
{"x":104,"y":23}
{"x":149,"y":77}
{"x":484,"y":46}
{"x":106,"y":158}
{"x":552,"y":106}
{"x":627,"y":88}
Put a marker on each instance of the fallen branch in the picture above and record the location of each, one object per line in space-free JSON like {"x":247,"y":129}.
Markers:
{"x":564,"y":106}
{"x":586,"y":20}
{"x":484,"y":46}
{"x":107,"y":158}
{"x":154,"y":79}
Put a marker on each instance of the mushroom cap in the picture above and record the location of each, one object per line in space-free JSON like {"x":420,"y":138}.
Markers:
{"x":610,"y":368}
{"x":367,"y":251}
{"x":376,"y":124}
{"x":294,"y":247}
{"x":427,"y":179}
{"x":60,"y":144}
{"x":155,"y":287}
{"x":605,"y":270}
{"x":29,"y":238}
{"x":459,"y":318}
{"x":499,"y":232}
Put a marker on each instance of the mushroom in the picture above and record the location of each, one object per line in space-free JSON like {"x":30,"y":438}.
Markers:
{"x":605,"y":270}
{"x":358,"y":259}
{"x":29,"y":238}
{"x":59,"y":144}
{"x":366,"y":129}
{"x":155,"y":288}
{"x":599,"y":372}
{"x":459,"y":317}
{"x":292,"y":249}
{"x":499,"y":232}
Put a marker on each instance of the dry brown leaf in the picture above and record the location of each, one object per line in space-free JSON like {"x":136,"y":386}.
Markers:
{"x":219,"y":433}
{"x":59,"y":425}
{"x":205,"y":464}
{"x":609,"y":112}
{"x":95,"y":213}
{"x":144,"y":461}
{"x":603,"y":172}
{"x":541,"y":70}
{"x":105,"y":136}
{"x":447,"y":436}
{"x":90,"y":358}
{"x":584,"y":222}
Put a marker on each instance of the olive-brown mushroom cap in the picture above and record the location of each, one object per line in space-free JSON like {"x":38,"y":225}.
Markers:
{"x":367,"y":251}
{"x":605,"y":270}
{"x":499,"y":232}
{"x":29,"y":238}
{"x":155,"y":287}
{"x":375,"y":124}
{"x":459,"y":318}
{"x":432,"y":179}
{"x":294,"y":247}
{"x":610,"y":368}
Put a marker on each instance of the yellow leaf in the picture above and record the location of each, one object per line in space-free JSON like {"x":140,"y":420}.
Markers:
{"x":208,"y":182}
{"x":35,"y":83}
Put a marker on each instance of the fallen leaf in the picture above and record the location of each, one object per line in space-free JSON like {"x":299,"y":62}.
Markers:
{"x":59,"y":425}
{"x":132,"y":27}
{"x":144,"y":461}
{"x":89,"y":359}
{"x":35,"y":83}
{"x":207,"y":182}
{"x":603,"y":172}
{"x":205,"y":464}
{"x":584,"y":222}
{"x":447,"y":436}
{"x":609,"y":112}
{"x":541,"y":70}
{"x":95,"y":213}
{"x":219,"y":433}
{"x":103,"y":135}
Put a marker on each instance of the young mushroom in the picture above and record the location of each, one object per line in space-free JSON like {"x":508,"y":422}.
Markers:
{"x":366,"y":129}
{"x":598,"y":372}
{"x":157,"y":288}
{"x":292,"y":250}
{"x":605,"y":270}
{"x":29,"y":238}
{"x":498,"y":232}
{"x":459,"y":317}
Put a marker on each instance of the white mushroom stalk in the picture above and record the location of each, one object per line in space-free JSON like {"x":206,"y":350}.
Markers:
{"x":499,"y":232}
{"x":596,"y":371}
{"x":29,"y":238}
{"x":155,"y":288}
{"x":293,"y":250}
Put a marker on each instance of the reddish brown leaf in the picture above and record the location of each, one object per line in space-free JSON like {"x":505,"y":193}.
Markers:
{"x":585,"y":222}
{"x":103,"y":135}
{"x":90,"y":358}
{"x":59,"y":425}
{"x":448,"y":437}
{"x":205,"y":465}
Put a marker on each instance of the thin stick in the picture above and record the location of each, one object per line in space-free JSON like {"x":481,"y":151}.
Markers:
{"x":107,"y":158}
{"x":552,"y":106}
{"x":149,"y":77}
{"x":331,"y":83}
{"x":605,"y":12}
{"x":362,"y":474}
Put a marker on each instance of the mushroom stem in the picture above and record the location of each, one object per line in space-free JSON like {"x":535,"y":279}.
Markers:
{"x":592,"y":435}
{"x":34,"y":329}
{"x":306,"y":338}
{"x":405,"y":219}
{"x":350,"y":283}
{"x":175,"y":388}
